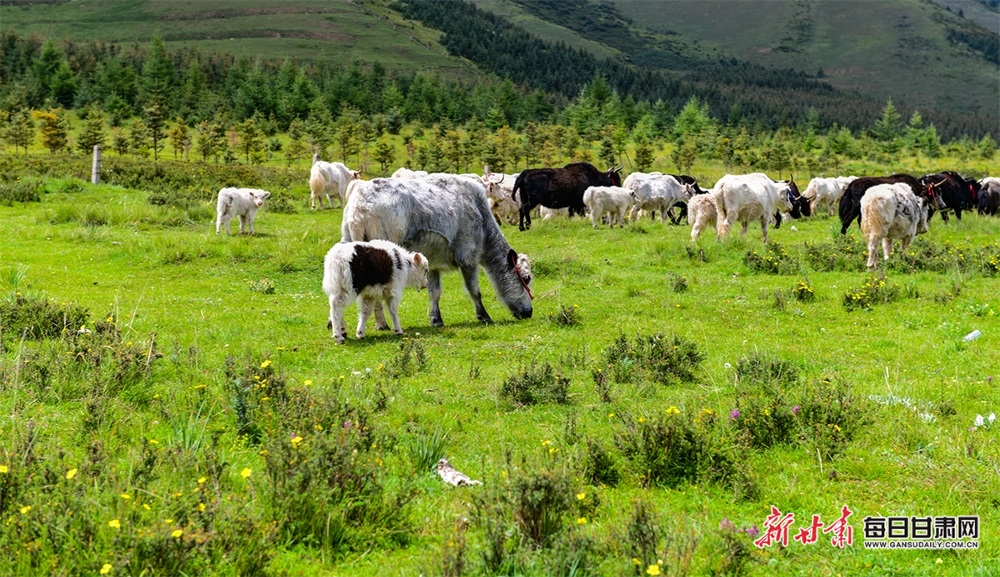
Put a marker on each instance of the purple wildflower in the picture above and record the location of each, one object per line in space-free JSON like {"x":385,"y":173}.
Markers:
{"x":752,"y":531}
{"x":796,"y":409}
{"x":726,"y":524}
{"x":735,"y":414}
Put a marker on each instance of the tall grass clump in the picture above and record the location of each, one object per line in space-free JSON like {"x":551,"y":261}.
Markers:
{"x":426,"y":449}
{"x":652,"y":357}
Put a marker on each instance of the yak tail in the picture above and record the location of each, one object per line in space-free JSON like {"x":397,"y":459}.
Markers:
{"x":517,"y":186}
{"x":720,"y":204}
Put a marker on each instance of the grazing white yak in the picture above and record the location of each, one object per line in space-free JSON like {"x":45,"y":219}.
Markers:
{"x":891,"y":211}
{"x":239,"y":202}
{"x":447,"y":219}
{"x":371,"y":273}
{"x":329,"y":177}
{"x":613,"y":200}
{"x":747,"y":197}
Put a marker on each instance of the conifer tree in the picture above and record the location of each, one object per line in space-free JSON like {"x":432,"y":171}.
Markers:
{"x":385,"y":155}
{"x":138,"y":142}
{"x":54,"y":128}
{"x":20,"y":130}
{"x":156,"y":128}
{"x":180,"y":138}
{"x":251,"y":141}
{"x":93,"y":131}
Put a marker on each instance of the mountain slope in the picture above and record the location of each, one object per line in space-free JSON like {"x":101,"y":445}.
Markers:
{"x":912,"y":51}
{"x":341,"y":31}
{"x":901,"y":49}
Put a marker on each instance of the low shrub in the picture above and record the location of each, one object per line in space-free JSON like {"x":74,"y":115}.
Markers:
{"x":654,"y":549}
{"x":875,"y":290}
{"x":36,"y":317}
{"x":566,"y":316}
{"x":536,"y":384}
{"x":774,"y":260}
{"x":653,"y":357}
{"x":598,"y":465}
{"x":845,"y":254}
{"x":672,"y":449}
{"x":765,"y":369}
{"x":28,"y":190}
{"x":803,"y":291}
{"x":832,"y":416}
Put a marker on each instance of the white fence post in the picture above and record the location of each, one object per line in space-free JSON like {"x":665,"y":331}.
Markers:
{"x":95,"y":170}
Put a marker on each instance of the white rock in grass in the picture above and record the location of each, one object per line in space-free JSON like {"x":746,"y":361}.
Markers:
{"x":452,"y":476}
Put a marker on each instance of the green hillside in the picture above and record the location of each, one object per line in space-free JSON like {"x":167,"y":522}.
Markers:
{"x":302,"y":30}
{"x":898,"y":49}
{"x":915,"y":52}
{"x":908,"y":50}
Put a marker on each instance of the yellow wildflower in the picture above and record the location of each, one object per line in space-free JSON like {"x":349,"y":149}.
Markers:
{"x":201,"y":480}
{"x":106,"y":568}
{"x":672,"y":410}
{"x":71,"y":473}
{"x":25,"y":509}
{"x":115,"y":524}
{"x":653,"y":570}
{"x":125,"y":496}
{"x":307,"y":382}
{"x":176,"y":533}
{"x":581,"y":521}
{"x":581,"y":496}
{"x":265,"y":364}
{"x":4,"y":469}
{"x":246,"y":472}
{"x":201,"y":506}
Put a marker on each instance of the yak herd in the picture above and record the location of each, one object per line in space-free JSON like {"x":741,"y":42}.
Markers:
{"x":407,"y":229}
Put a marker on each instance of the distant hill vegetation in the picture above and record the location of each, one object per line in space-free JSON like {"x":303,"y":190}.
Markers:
{"x":838,"y":62}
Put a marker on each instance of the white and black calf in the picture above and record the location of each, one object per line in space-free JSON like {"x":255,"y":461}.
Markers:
{"x":239,"y":202}
{"x":371,"y":273}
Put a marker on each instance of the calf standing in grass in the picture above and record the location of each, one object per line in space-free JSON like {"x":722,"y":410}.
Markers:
{"x":891,"y":211}
{"x":613,"y":200}
{"x":239,"y":202}
{"x":369,"y":272}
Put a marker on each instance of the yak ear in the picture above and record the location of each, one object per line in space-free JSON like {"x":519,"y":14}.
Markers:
{"x":417,"y":258}
{"x":512,"y":258}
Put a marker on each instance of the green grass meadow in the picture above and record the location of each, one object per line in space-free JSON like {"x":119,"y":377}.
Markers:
{"x":183,"y":462}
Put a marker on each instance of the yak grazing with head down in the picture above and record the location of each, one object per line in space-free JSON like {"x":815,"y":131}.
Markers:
{"x":446,"y":218}
{"x":559,"y":188}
